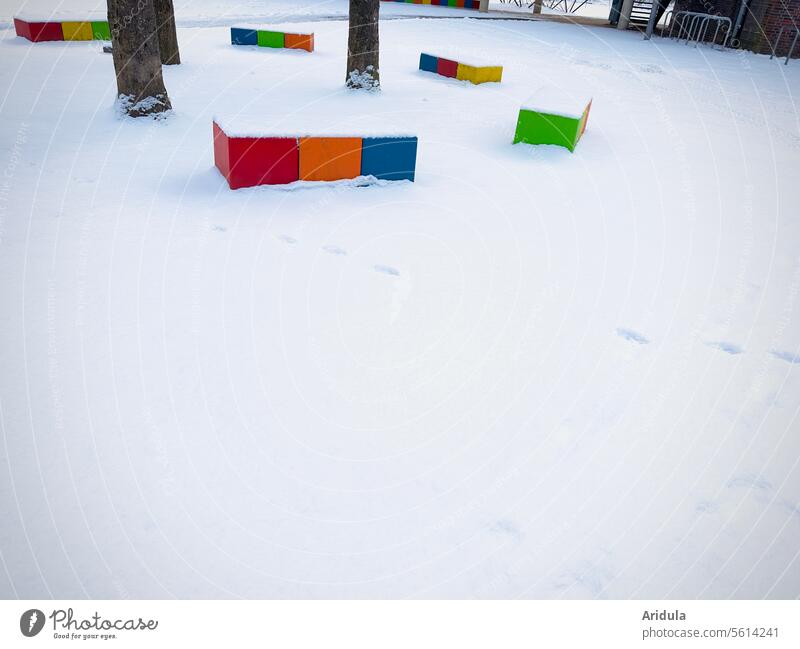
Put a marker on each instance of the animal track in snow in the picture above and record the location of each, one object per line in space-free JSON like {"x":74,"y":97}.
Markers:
{"x":786,"y":356}
{"x":633,"y":336}
{"x":334,"y":250}
{"x":728,"y":348}
{"x":286,"y":238}
{"x":386,"y":270}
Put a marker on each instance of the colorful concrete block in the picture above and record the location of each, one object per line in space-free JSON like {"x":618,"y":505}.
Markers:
{"x":250,"y":161}
{"x":330,"y":158}
{"x":77,"y":31}
{"x":270,"y":39}
{"x":246,"y":158}
{"x":463,"y":71}
{"x":551,"y":116}
{"x":38,"y":31}
{"x":428,"y":63}
{"x":389,"y":158}
{"x":242,"y":36}
{"x":447,"y":68}
{"x":299,"y":42}
{"x":462,"y":4}
{"x":67,"y":30}
{"x":100,"y":31}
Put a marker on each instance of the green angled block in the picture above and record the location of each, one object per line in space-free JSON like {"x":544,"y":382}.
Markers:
{"x":100,"y":31}
{"x":552,"y":116}
{"x":270,"y":39}
{"x":540,"y":128}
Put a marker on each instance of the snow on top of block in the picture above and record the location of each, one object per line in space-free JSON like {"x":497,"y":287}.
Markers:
{"x":62,"y":17}
{"x":304,"y":126}
{"x":557,"y":101}
{"x":270,"y":28}
{"x":458,"y":58}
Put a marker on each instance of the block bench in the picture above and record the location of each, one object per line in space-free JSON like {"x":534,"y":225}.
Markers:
{"x":551,"y":116}
{"x":265,"y":37}
{"x":463,"y":71}
{"x":460,"y":4}
{"x":62,"y":30}
{"x":247,"y":158}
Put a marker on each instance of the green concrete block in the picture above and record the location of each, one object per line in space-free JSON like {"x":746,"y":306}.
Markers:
{"x":541,"y":128}
{"x":100,"y":31}
{"x":451,"y":3}
{"x":270,"y":39}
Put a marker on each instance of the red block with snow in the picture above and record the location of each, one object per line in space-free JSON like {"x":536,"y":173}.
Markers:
{"x":250,"y":161}
{"x":447,"y":68}
{"x":37,"y":32}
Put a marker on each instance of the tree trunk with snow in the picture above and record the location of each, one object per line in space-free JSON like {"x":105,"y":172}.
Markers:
{"x":137,"y":59}
{"x":167,"y":35}
{"x":362,"y":45}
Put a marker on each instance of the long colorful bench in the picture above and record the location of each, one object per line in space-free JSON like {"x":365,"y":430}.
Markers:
{"x":62,"y":30}
{"x":247,"y":158}
{"x":264,"y":37}
{"x":460,"y":4}
{"x":456,"y":70}
{"x":551,"y":116}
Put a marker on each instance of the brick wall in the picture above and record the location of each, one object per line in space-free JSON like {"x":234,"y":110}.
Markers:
{"x":761,"y":24}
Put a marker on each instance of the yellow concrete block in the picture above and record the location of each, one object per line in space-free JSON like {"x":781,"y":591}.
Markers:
{"x":466,"y":72}
{"x":488,"y":73}
{"x":77,"y":31}
{"x":426,"y":2}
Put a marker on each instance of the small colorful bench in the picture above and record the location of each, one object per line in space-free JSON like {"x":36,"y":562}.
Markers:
{"x":461,"y":4}
{"x":464,"y":71}
{"x":62,"y":30}
{"x":264,"y":37}
{"x":247,"y":158}
{"x":551,"y":116}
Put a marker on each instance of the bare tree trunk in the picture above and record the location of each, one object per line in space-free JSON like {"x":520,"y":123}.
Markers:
{"x":137,"y":60}
{"x":537,"y":6}
{"x":362,"y":45}
{"x":167,"y":36}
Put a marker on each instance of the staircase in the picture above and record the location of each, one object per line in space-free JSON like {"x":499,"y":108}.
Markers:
{"x":640,"y":12}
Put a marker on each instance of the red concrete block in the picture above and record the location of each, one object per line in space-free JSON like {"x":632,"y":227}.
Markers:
{"x":299,"y":42}
{"x":447,"y":68}
{"x":460,"y":3}
{"x":38,"y":32}
{"x":250,"y":161}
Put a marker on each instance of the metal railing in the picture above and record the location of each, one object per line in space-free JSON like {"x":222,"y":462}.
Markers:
{"x":693,"y":27}
{"x":789,"y":52}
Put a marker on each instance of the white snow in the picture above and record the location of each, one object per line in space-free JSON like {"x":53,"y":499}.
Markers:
{"x":557,"y":100}
{"x":269,"y":28}
{"x":309,"y":123}
{"x":529,"y":373}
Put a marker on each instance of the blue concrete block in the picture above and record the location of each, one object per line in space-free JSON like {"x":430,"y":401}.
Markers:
{"x":244,"y":36}
{"x":389,"y":158}
{"x":428,"y":63}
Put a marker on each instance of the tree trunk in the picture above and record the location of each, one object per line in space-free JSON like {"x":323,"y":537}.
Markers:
{"x":167,"y":36}
{"x":362,"y":45}
{"x":537,"y":6}
{"x":137,"y":60}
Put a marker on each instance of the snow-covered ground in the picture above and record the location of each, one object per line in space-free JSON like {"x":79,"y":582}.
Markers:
{"x":528,"y":374}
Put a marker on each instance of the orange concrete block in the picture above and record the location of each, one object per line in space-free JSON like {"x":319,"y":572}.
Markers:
{"x":299,"y":42}
{"x":330,"y":158}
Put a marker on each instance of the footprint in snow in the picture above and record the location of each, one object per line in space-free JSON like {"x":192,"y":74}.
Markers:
{"x":728,"y":348}
{"x":786,"y":356}
{"x":219,"y":228}
{"x":334,"y":250}
{"x":386,"y":270}
{"x":287,"y":239}
{"x":633,"y":336}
